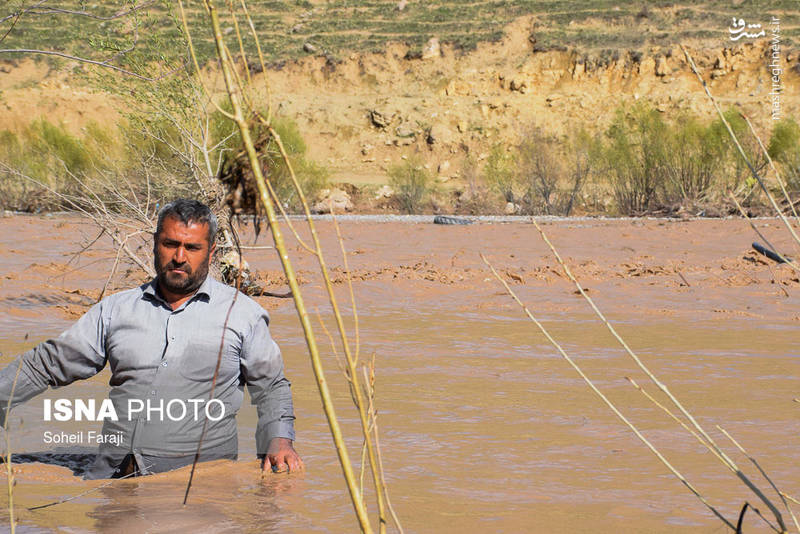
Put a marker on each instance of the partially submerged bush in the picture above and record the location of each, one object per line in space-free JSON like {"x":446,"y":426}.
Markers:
{"x":635,"y":158}
{"x":659,"y":165}
{"x":542,"y":175}
{"x":500,"y":172}
{"x":784,"y":149}
{"x":412,"y":184}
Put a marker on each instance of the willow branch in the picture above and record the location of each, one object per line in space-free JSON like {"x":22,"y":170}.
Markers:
{"x":118,"y":15}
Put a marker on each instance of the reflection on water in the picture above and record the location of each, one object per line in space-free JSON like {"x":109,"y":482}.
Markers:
{"x":483,"y":427}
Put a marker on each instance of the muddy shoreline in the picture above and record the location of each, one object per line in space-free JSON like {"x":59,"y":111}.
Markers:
{"x":483,"y":426}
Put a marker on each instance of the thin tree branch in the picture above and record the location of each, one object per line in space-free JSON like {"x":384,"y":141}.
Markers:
{"x":86,"y":60}
{"x":119,"y":14}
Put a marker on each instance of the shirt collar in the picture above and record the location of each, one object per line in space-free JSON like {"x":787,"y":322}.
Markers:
{"x":150,"y":291}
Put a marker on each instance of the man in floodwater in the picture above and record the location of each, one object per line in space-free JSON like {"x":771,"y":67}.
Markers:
{"x":164,"y":342}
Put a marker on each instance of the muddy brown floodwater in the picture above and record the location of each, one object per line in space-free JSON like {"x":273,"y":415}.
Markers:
{"x":484,"y":428}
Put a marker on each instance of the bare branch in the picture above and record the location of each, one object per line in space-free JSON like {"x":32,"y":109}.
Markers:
{"x":117,"y":15}
{"x":89,"y":61}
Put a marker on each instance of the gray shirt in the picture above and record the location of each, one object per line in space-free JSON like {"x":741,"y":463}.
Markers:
{"x":162,"y":365}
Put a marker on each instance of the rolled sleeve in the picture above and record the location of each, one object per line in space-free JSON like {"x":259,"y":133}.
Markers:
{"x":270,"y":391}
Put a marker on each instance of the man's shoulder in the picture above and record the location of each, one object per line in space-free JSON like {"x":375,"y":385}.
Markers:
{"x":244,"y":303}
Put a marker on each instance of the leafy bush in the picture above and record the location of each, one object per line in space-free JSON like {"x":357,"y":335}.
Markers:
{"x":784,"y":149}
{"x":475,"y":198}
{"x":499,"y":172}
{"x":635,"y":158}
{"x":539,"y":169}
{"x":695,"y":157}
{"x":659,"y":165}
{"x":413,"y":185}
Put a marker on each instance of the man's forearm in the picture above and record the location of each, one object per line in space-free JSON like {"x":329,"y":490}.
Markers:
{"x":275,"y":413}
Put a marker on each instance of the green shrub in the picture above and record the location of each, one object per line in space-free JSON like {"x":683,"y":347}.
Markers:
{"x":475,"y":198}
{"x":413,"y":185}
{"x":635,"y":158}
{"x":540,"y":169}
{"x":659,"y":165}
{"x":499,"y":172}
{"x":54,"y":142}
{"x":784,"y":149}
{"x":695,"y":158}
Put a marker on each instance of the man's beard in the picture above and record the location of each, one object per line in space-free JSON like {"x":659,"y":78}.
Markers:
{"x":177,"y":283}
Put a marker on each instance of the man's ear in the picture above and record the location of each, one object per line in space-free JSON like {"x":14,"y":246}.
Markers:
{"x":212,"y":250}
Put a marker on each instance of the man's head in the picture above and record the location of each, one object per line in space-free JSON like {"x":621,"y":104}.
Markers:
{"x":183,"y":244}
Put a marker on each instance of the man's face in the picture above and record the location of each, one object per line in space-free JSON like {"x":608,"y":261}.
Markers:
{"x":181,"y":253}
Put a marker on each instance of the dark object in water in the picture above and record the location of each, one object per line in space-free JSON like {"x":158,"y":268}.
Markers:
{"x":774,"y":256}
{"x":444,"y":219}
{"x":78,"y":459}
{"x":741,"y":518}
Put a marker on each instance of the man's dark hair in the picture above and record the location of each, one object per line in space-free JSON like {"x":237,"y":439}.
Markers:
{"x":189,"y":211}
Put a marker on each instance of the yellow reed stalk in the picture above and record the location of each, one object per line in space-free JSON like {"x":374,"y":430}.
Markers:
{"x":605,"y":399}
{"x":349,"y":282}
{"x":196,"y":64}
{"x":333,"y":344}
{"x":739,"y":147}
{"x":369,"y":386}
{"x":790,"y":498}
{"x":239,"y":40}
{"x":708,"y":446}
{"x":674,"y":417}
{"x":349,"y":357}
{"x":730,"y":464}
{"x":327,"y":402}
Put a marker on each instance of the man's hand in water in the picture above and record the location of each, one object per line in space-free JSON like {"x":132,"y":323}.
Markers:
{"x":281,"y":457}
